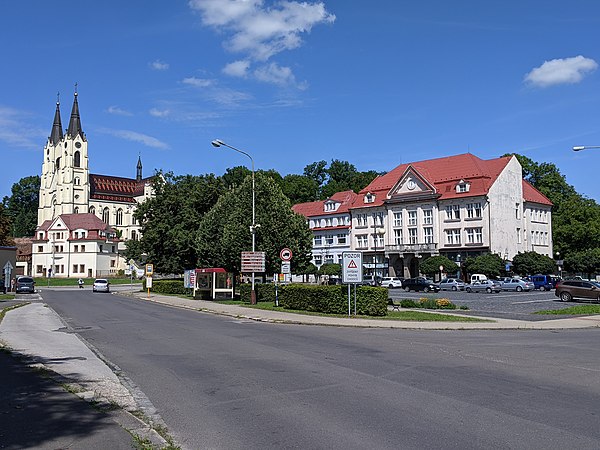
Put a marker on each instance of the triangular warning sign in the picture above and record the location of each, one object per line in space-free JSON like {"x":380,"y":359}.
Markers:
{"x":352,"y":265}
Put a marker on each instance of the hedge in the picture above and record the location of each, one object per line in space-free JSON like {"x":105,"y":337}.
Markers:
{"x":173,"y":287}
{"x":370,"y":301}
{"x":265,"y":292}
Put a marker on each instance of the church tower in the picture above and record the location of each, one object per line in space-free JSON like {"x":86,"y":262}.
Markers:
{"x":64,"y":187}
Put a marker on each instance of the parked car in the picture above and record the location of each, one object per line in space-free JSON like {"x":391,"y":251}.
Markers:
{"x":101,"y":285}
{"x":391,"y":282}
{"x":25,"y":284}
{"x":570,"y":289}
{"x":517,"y":284}
{"x":488,"y":286}
{"x":419,"y":284}
{"x":544,"y":282}
{"x":452,"y":284}
{"x":370,"y":280}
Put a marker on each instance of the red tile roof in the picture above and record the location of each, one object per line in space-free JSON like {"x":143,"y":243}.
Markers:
{"x":531,"y":194}
{"x":311,"y":209}
{"x":105,"y":187}
{"x":86,"y":221}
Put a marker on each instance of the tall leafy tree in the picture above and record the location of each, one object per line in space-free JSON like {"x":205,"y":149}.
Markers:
{"x":431,"y":266}
{"x":170,"y":219}
{"x":22,"y":206}
{"x":224,"y":231}
{"x":235,"y":176}
{"x":5,"y":227}
{"x":586,"y":262}
{"x":300,"y":188}
{"x":489,"y":264}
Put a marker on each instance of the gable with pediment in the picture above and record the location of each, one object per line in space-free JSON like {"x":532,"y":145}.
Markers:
{"x":411,"y":184}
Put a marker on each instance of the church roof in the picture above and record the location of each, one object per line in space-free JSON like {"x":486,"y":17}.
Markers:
{"x":56,"y":134}
{"x":75,"y":121}
{"x":106,"y":187}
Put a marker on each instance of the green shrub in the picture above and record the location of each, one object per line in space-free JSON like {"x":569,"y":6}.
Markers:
{"x":407,"y":303}
{"x":172,"y":287}
{"x":370,"y":301}
{"x":265,"y":292}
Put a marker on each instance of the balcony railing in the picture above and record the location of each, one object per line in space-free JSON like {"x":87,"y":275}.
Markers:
{"x":412,"y":248}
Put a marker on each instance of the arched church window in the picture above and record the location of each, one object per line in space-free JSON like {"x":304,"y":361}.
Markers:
{"x":58,"y":163}
{"x":76,"y":210}
{"x":76,"y":181}
{"x":105,"y":215}
{"x":133,"y":235}
{"x":119,"y":216}
{"x":92,"y":210}
{"x":77,"y":159}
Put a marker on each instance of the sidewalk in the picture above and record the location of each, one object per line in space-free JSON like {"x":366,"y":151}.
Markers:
{"x":292,"y":318}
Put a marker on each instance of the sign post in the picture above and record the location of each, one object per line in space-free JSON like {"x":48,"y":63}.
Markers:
{"x":352,"y":273}
{"x":149,"y":273}
{"x":8,"y":267}
{"x":253,"y":262}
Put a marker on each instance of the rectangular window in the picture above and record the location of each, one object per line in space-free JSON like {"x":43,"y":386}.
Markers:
{"x":318,"y":240}
{"x":328,"y":259}
{"x":412,"y":218}
{"x":39,"y":269}
{"x":428,"y":235}
{"x":75,"y":268}
{"x":473,"y":210}
{"x":318,"y":260}
{"x":379,"y":243}
{"x":361,"y":220}
{"x":341,"y":239}
{"x":453,"y":237}
{"x":378,"y":219}
{"x":398,"y":237}
{"x":81,"y":268}
{"x":427,"y":217}
{"x":412,"y":235}
{"x":518,"y":235}
{"x":75,"y":248}
{"x":362,"y":241}
{"x":83,"y":248}
{"x":470,"y":235}
{"x":112,"y":263}
{"x":517,"y":210}
{"x":453,"y":212}
{"x":329,"y":239}
{"x":40,"y":248}
{"x":398,"y":219}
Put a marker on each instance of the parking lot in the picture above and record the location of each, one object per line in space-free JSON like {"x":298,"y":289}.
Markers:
{"x":508,"y":305}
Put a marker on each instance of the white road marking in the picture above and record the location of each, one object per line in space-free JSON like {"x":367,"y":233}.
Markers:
{"x":533,"y":301}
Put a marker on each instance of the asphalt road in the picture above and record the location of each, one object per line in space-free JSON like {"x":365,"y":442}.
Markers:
{"x":505,"y":304}
{"x":224,"y":383}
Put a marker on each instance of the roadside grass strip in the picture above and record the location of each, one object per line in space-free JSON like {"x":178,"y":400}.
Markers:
{"x":7,"y":296}
{"x":414,"y":316}
{"x":574,"y":310}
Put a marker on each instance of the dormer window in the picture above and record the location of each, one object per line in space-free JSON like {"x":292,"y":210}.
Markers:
{"x":369,"y":198}
{"x":462,"y":186}
{"x":331,"y":206}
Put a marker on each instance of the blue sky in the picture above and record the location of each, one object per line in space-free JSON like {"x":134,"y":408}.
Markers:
{"x":375,"y":83}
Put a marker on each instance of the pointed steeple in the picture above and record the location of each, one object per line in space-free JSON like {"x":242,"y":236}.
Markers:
{"x":75,"y":122}
{"x":138,"y":176}
{"x":57,"y":134}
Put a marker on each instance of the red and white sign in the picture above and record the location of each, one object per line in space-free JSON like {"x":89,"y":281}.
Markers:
{"x":253,"y":262}
{"x":352,"y":267}
{"x":285,"y":254}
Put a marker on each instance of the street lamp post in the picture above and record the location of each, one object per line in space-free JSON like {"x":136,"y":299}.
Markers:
{"x":578,"y":148}
{"x":219,"y":143}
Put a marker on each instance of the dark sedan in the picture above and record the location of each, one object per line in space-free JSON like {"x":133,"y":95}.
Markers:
{"x":420,"y":284}
{"x":570,"y":289}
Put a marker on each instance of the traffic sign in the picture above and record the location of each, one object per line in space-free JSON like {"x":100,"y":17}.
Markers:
{"x":253,"y":262}
{"x":285,"y":254}
{"x":352,"y":267}
{"x":149,"y":270}
{"x":286,"y":267}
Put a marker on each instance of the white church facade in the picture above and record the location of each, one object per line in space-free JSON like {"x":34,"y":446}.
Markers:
{"x":84,"y":219}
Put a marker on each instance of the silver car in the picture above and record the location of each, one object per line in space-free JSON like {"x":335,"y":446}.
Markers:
{"x":488,"y":286}
{"x":517,"y":284}
{"x":452,"y":284}
{"x":101,"y":285}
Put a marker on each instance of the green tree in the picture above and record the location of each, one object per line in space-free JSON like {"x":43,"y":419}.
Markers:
{"x":530,"y":263}
{"x":431,"y":266}
{"x":5,"y":227}
{"x":224,"y":231}
{"x":331,"y":269}
{"x":22,"y":206}
{"x":586,"y":262}
{"x":299,"y":188}
{"x":170,"y":219}
{"x":235,"y":176}
{"x":489,"y":264}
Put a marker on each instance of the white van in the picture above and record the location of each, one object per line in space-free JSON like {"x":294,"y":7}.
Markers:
{"x":478,"y":277}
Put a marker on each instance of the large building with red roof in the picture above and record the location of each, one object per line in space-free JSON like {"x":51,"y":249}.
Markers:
{"x":457,"y":206}
{"x":67,"y":190}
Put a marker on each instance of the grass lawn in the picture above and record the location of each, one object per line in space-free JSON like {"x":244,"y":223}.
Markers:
{"x":7,"y":296}
{"x":87,"y":281}
{"x":416,"y":316}
{"x":579,"y":309}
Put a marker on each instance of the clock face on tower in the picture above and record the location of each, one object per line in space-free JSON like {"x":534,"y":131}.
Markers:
{"x":78,"y":144}
{"x":410,"y":184}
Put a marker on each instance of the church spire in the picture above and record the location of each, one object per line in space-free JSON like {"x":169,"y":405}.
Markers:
{"x":138,"y":176}
{"x":57,"y":134}
{"x":75,"y":122}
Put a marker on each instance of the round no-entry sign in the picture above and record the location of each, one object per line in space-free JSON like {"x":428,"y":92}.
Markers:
{"x":285,"y":254}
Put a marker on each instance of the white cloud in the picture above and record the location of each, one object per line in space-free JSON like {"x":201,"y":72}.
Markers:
{"x":197,"y":82}
{"x":159,"y":112}
{"x":237,"y":68}
{"x":561,"y":71}
{"x":260,"y":31}
{"x":17,"y":132}
{"x":273,"y":73}
{"x":159,"y":65}
{"x":134,"y":136}
{"x":118,"y":111}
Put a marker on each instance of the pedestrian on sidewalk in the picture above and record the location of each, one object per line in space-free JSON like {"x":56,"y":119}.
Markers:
{"x":80,"y":283}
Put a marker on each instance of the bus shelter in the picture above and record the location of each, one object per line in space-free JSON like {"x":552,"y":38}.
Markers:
{"x":213,"y":283}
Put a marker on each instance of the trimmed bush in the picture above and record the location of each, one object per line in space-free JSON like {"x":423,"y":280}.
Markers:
{"x":265,"y":292}
{"x":370,"y":301}
{"x":172,"y":287}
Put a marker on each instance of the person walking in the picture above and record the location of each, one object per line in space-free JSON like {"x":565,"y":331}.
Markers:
{"x":80,"y":283}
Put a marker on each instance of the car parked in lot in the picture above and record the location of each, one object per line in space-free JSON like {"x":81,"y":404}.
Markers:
{"x":488,"y":286}
{"x":25,"y":284}
{"x":517,"y":284}
{"x":391,"y":282}
{"x":544,"y":282}
{"x":101,"y":285}
{"x":570,"y":289}
{"x":420,"y":284}
{"x":452,"y":284}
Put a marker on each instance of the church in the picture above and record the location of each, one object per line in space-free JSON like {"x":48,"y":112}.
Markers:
{"x":84,"y":219}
